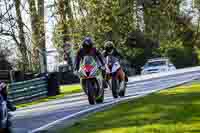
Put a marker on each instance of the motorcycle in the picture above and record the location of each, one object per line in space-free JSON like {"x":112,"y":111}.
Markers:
{"x":5,"y":123}
{"x":115,"y":76}
{"x":91,"y":80}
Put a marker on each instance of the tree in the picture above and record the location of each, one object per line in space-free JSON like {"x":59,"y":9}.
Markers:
{"x":22,"y":43}
{"x":38,"y":30}
{"x":160,"y":20}
{"x":12,"y":29}
{"x":196,"y":4}
{"x":118,"y":21}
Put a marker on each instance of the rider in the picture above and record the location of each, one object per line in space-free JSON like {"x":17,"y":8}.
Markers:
{"x":3,"y":91}
{"x":109,"y":49}
{"x":88,"y":49}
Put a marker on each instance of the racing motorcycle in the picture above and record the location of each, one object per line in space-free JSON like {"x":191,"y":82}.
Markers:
{"x":115,"y":76}
{"x":5,"y":123}
{"x":92,"y":80}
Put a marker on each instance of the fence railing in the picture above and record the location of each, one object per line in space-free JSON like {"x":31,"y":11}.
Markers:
{"x":6,"y":75}
{"x":24,"y":91}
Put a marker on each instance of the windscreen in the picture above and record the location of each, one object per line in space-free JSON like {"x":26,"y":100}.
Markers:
{"x":111,"y":60}
{"x":88,"y":60}
{"x":156,"y":63}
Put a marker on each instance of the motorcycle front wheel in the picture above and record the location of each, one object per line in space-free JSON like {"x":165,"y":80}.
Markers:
{"x":91,"y":91}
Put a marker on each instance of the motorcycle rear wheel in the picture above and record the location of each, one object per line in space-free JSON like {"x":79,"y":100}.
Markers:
{"x":100,"y":91}
{"x":100,"y":99}
{"x":123,"y":91}
{"x":114,"y":88}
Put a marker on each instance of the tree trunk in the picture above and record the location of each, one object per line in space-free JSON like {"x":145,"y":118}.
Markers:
{"x":22,"y":45}
{"x":35,"y":33}
{"x":63,"y":19}
{"x":64,"y":13}
{"x":38,"y":32}
{"x":42,"y":42}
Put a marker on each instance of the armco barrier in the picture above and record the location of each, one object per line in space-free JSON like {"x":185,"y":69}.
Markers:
{"x":21,"y":92}
{"x":5,"y":76}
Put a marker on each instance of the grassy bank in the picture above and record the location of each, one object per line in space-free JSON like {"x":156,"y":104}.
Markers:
{"x":171,"y":111}
{"x":65,"y":90}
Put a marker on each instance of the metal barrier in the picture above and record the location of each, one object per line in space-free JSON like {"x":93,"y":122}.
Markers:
{"x":6,"y":76}
{"x":21,"y":92}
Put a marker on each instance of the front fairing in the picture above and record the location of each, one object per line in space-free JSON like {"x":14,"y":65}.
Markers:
{"x":88,"y":68}
{"x":112,"y":64}
{"x":115,"y":67}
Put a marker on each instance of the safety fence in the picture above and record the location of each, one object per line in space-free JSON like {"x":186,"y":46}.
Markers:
{"x":25,"y":91}
{"x":5,"y":76}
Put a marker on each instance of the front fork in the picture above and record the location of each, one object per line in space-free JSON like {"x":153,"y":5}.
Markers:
{"x":96,"y":83}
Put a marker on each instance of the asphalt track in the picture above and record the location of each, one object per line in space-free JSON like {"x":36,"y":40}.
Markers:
{"x":47,"y":115}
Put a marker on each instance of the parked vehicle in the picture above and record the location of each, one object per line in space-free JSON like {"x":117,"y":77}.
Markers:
{"x":157,"y":65}
{"x":115,"y":77}
{"x":92,"y":80}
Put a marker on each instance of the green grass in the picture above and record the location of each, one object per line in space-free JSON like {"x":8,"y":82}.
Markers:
{"x":170,"y":111}
{"x":70,"y":89}
{"x":65,"y":90}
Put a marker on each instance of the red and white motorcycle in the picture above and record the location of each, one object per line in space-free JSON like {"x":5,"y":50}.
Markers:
{"x":91,"y":80}
{"x":115,"y":76}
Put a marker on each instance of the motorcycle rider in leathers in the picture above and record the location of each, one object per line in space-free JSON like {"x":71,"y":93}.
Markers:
{"x":110,"y":50}
{"x":88,"y":49}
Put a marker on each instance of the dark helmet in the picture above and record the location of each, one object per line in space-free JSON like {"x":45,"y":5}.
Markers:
{"x":87,"y":43}
{"x":108,"y":46}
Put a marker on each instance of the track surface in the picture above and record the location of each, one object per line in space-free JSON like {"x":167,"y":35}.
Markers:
{"x":31,"y":118}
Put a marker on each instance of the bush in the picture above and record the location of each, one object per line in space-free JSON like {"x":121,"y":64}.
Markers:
{"x":179,"y":55}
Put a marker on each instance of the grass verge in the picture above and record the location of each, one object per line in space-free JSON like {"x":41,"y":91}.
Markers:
{"x":65,"y":90}
{"x":175,"y":110}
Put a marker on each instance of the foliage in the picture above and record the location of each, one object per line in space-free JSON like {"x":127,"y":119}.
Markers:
{"x":180,"y":55}
{"x":196,"y":4}
{"x":160,"y":20}
{"x":104,"y":20}
{"x":164,"y":23}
